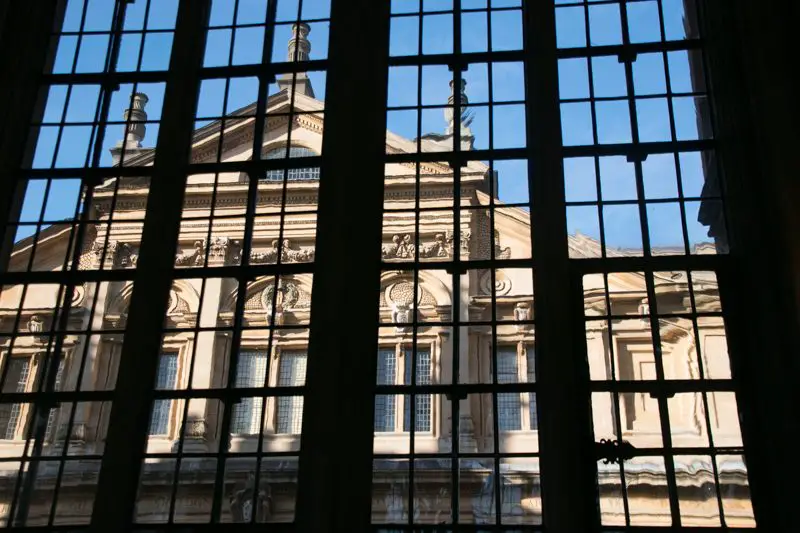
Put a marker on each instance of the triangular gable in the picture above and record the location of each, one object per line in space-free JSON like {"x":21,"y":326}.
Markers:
{"x":52,"y":244}
{"x":239,"y":131}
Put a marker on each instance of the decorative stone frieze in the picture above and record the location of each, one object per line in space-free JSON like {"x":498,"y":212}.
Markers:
{"x":287,"y":251}
{"x":403,"y":247}
{"x":224,"y":250}
{"x":113,"y":254}
{"x":193,"y":258}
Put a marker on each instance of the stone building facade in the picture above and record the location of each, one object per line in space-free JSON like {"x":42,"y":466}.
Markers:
{"x":196,"y":346}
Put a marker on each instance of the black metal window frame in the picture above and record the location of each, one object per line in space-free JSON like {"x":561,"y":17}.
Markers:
{"x":335,"y":492}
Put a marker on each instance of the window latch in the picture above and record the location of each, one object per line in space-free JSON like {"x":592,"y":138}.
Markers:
{"x":613,"y":451}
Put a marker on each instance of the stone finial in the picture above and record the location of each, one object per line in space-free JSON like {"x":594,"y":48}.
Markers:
{"x":299,"y":50}
{"x":447,"y":141}
{"x":467,"y":139}
{"x":135,"y":117}
{"x":299,"y":45}
{"x":466,"y":115}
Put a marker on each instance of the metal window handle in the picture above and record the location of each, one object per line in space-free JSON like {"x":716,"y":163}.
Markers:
{"x":613,"y":451}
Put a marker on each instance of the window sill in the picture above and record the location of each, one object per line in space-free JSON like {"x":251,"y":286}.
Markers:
{"x":401,"y":443}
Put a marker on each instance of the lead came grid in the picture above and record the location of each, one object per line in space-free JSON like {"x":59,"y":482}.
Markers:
{"x":422,"y":402}
{"x":165,"y":379}
{"x":290,"y":409}
{"x":73,"y":241}
{"x":457,"y":285}
{"x":640,"y":169}
{"x":384,"y":405}
{"x":245,"y":419}
{"x":240,"y":302}
{"x":456,"y":440}
{"x":641,"y":184}
{"x":667,"y":391}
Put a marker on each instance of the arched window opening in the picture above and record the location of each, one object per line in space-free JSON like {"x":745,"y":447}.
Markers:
{"x":292,"y":174}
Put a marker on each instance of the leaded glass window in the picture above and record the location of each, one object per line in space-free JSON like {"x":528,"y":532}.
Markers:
{"x":530,"y":360}
{"x":422,"y":402}
{"x":16,"y":381}
{"x":508,"y":404}
{"x":52,"y":418}
{"x":385,"y":404}
{"x":167,"y":376}
{"x":250,"y":372}
{"x":489,"y":126}
{"x":292,"y":373}
{"x":292,"y":174}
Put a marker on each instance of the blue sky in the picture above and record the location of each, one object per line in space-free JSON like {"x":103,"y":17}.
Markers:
{"x":508,"y":128}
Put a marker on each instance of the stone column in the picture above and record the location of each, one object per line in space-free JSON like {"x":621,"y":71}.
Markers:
{"x":602,"y":407}
{"x":90,"y":348}
{"x":196,"y":431}
{"x":466,"y":426}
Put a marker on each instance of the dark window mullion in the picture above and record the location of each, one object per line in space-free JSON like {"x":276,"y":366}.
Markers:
{"x":336,"y":473}
{"x":567,"y":463}
{"x":25,"y":51}
{"x":130,"y":412}
{"x":760,"y":325}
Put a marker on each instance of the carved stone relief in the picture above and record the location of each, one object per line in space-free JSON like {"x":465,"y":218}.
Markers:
{"x":402,"y":292}
{"x":403,"y":247}
{"x":402,"y":313}
{"x":245,"y":500}
{"x":35,"y":324}
{"x":114,"y":254}
{"x":288,"y":296}
{"x":502,"y":285}
{"x":398,"y":296}
{"x":220,"y":249}
{"x":522,"y":313}
{"x":289,"y":253}
{"x":196,"y":428}
{"x":177,"y":305}
{"x":224,"y":250}
{"x":193,"y":258}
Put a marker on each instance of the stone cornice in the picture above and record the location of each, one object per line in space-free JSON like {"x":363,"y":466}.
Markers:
{"x":242,"y":131}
